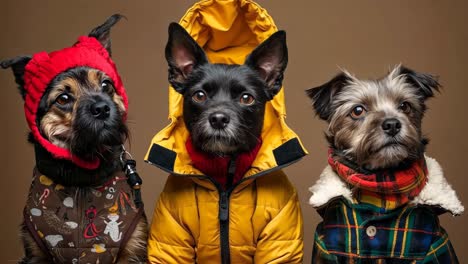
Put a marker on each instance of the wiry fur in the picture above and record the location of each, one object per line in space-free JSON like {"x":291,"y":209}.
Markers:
{"x":362,"y":140}
{"x":260,"y":77}
{"x":73,"y":125}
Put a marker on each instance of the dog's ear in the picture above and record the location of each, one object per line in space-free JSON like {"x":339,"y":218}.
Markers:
{"x":425,"y":83}
{"x":183,"y":55}
{"x":322,"y":96}
{"x":17,"y":65}
{"x":102,"y":32}
{"x":270,"y":59}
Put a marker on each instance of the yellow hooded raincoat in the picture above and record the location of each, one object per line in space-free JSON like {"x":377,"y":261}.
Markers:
{"x":259,"y":219}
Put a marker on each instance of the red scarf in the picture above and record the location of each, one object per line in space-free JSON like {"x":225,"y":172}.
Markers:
{"x":217,"y":167}
{"x":386,"y":189}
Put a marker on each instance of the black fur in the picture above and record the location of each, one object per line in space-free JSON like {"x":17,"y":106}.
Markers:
{"x":269,"y":60}
{"x":102,"y":32}
{"x":92,"y":136}
{"x":223,"y":85}
{"x":322,"y":95}
{"x":425,"y":83}
{"x":180,"y":40}
{"x":17,"y":65}
{"x":68,"y":174}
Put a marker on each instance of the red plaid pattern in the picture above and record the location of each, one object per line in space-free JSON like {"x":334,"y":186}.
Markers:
{"x":387,"y":189}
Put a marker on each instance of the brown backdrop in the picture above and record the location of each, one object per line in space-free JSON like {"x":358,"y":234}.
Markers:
{"x":365,"y":36}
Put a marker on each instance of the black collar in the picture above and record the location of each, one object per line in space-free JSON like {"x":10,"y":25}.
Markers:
{"x":66,"y":173}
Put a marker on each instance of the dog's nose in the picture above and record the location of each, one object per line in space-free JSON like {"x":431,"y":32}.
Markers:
{"x":219,"y":120}
{"x":391,"y":126}
{"x":100,"y":110}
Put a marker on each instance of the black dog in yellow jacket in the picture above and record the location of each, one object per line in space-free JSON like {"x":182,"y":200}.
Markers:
{"x":227,"y":200}
{"x":224,"y":104}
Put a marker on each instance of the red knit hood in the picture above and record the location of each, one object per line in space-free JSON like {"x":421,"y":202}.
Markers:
{"x":44,"y":67}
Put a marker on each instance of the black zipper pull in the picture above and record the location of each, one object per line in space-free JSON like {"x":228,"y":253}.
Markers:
{"x":223,"y":206}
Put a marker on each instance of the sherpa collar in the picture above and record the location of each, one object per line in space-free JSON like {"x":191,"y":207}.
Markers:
{"x":44,"y":67}
{"x":436,"y":192}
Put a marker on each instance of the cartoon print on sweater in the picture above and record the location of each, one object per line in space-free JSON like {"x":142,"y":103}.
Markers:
{"x":112,"y":227}
{"x":101,"y":216}
{"x":91,"y":230}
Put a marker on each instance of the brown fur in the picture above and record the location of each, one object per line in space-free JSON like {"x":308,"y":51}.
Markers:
{"x":56,"y":123}
{"x":136,"y":245}
{"x":33,"y":253}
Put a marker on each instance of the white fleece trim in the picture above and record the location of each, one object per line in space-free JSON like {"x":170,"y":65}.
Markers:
{"x":436,"y":192}
{"x":328,"y":186}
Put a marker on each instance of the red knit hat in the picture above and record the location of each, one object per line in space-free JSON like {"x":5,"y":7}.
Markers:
{"x":43,"y":68}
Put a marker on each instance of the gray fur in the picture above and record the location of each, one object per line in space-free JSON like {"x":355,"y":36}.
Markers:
{"x":363,"y":140}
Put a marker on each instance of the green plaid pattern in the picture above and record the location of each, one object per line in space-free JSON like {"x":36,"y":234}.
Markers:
{"x":363,"y":233}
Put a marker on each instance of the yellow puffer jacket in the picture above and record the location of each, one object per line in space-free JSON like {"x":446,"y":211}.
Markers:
{"x":257,"y":221}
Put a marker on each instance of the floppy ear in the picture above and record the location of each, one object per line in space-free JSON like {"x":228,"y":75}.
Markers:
{"x":270,"y":59}
{"x":183,"y":55}
{"x":17,"y":65}
{"x":102,"y":32}
{"x":425,"y":83}
{"x":322,"y":96}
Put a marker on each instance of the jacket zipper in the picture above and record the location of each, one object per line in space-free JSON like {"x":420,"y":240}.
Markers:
{"x":223,"y":211}
{"x":223,"y":207}
{"x":223,"y":216}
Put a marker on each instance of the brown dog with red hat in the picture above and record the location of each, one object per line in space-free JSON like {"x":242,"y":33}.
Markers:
{"x":84,"y":204}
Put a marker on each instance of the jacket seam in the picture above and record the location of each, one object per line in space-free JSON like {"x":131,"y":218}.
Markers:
{"x":172,"y":245}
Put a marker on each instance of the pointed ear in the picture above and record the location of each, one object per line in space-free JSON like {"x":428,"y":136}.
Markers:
{"x":102,"y":32}
{"x":425,"y":83}
{"x":183,"y":55}
{"x":270,"y":59}
{"x":17,"y":65}
{"x":322,"y":96}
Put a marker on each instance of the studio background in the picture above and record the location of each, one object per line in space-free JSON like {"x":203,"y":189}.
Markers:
{"x":364,"y":36}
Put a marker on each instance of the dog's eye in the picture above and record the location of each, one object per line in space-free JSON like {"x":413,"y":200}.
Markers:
{"x":63,"y":99}
{"x":107,"y":86}
{"x":247,"y":99}
{"x":199,"y":97}
{"x":358,"y":112}
{"x":405,"y":107}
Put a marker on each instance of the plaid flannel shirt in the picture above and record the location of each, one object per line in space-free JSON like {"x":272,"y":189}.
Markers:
{"x":362,"y":233}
